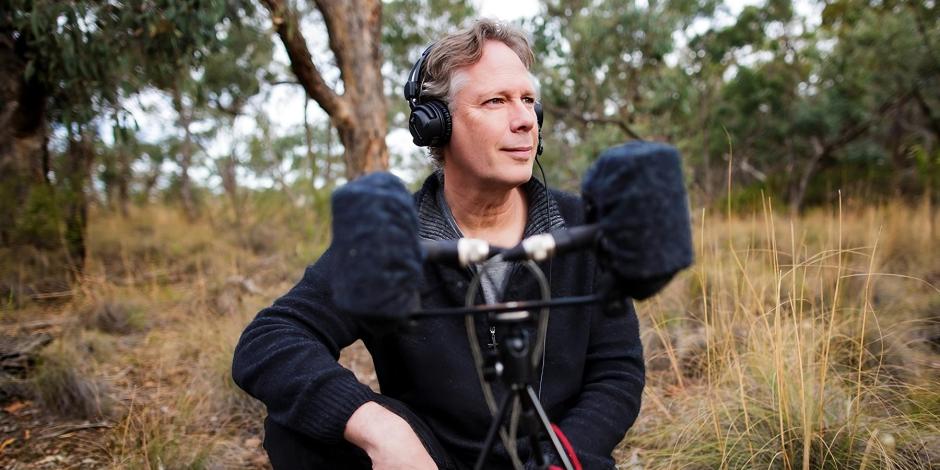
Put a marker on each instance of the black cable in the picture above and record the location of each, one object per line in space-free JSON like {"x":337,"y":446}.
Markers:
{"x":548,"y":217}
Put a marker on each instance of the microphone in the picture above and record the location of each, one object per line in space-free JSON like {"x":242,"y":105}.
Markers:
{"x":557,"y":242}
{"x":375,"y":241}
{"x":462,"y":252}
{"x":636,"y":193}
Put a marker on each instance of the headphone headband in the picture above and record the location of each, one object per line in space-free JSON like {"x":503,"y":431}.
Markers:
{"x":413,"y":85}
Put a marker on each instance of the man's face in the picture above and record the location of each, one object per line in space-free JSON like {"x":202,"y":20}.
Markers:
{"x":495,"y":133}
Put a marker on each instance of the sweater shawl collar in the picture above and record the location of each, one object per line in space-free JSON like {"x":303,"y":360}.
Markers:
{"x":543,"y":213}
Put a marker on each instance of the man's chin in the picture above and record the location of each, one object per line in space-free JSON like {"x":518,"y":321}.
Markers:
{"x":517,"y":176}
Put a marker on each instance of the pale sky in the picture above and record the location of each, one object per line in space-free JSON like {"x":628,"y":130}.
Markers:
{"x":507,"y":9}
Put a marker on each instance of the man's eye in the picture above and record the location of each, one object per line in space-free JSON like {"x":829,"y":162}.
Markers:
{"x":494,"y":101}
{"x":528,"y":100}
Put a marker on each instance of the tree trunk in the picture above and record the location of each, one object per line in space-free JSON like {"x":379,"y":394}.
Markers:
{"x":80,"y":156}
{"x":186,"y":155}
{"x":328,"y":169}
{"x":358,"y":114}
{"x":227,"y":170}
{"x":703,"y":118}
{"x":308,"y":141}
{"x":24,"y":160}
{"x":809,"y":169}
{"x":108,"y":177}
{"x":150,"y":182}
{"x":124,"y":175}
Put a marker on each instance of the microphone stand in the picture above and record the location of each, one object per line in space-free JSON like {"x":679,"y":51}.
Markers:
{"x":511,"y":306}
{"x":514,"y":363}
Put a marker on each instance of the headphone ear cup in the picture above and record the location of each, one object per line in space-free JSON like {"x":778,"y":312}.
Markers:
{"x":430,"y":124}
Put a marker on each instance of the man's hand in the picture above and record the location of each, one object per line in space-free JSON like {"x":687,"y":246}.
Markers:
{"x":387,"y":439}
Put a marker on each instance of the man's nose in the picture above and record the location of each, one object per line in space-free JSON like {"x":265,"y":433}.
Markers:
{"x":523,"y":116}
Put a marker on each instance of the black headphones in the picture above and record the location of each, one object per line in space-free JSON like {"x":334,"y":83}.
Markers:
{"x":430,"y":121}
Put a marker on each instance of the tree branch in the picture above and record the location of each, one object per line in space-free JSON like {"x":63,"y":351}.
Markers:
{"x":288,"y":28}
{"x":586,"y":119}
{"x":232,"y":110}
{"x":852,"y":133}
{"x":928,"y":111}
{"x":823,"y":151}
{"x":287,"y":82}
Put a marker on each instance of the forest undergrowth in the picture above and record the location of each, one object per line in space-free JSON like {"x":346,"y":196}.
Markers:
{"x":808,"y":341}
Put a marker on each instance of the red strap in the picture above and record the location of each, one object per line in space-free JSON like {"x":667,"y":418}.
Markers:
{"x":568,"y":449}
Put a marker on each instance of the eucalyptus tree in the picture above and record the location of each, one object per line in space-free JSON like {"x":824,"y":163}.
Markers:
{"x":356,"y":107}
{"x":753,"y":75}
{"x":115,"y":168}
{"x":65,"y":67}
{"x":884,"y":78}
{"x":790,"y":106}
{"x":843,"y":104}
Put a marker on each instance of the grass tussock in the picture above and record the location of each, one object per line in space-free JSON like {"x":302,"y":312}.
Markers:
{"x":797,"y":343}
{"x":64,"y":385}
{"x":116,"y":317}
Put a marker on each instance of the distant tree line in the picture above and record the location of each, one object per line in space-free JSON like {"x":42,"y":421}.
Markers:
{"x":770,"y":100}
{"x":796,"y":106}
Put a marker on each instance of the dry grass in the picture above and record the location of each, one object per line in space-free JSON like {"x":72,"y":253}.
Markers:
{"x":798,"y":343}
{"x":808,"y":342}
{"x":146,"y":343}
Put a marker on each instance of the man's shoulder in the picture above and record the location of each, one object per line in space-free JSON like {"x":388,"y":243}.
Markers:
{"x":566,"y":198}
{"x":430,"y":184}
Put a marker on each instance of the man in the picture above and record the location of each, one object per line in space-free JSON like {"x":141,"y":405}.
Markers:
{"x":431,"y":412}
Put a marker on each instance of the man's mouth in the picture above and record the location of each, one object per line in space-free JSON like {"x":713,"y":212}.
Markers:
{"x":523,"y":151}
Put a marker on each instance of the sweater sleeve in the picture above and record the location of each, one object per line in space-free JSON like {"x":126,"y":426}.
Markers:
{"x":611,"y":391}
{"x":286,"y":358}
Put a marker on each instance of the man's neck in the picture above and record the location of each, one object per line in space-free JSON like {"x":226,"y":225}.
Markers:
{"x":496,"y":215}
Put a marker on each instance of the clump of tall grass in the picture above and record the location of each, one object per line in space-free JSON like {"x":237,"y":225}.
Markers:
{"x":791,"y":344}
{"x":161,"y":436}
{"x":64,"y":385}
{"x":116,"y":317}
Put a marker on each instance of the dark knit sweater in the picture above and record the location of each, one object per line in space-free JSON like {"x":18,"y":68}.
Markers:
{"x":593,"y":373}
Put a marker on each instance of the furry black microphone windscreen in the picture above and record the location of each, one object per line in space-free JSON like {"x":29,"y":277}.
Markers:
{"x":637,"y":193}
{"x":375,"y":241}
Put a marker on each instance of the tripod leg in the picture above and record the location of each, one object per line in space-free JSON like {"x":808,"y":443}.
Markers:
{"x":532,"y":427}
{"x":531,"y":399}
{"x":494,"y":429}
